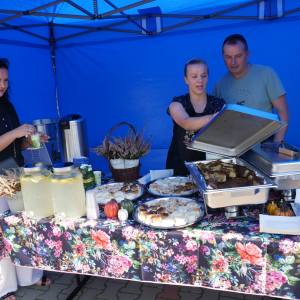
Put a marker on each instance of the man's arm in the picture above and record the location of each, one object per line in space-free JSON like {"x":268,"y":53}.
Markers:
{"x":283,"y":113}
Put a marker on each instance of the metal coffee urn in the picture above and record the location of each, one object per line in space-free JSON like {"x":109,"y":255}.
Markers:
{"x":73,"y":137}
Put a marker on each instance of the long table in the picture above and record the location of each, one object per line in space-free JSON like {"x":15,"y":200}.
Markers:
{"x":226,"y":254}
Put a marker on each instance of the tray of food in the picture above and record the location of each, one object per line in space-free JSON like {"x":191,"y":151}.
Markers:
{"x":169,"y":213}
{"x":118,"y":191}
{"x":172,"y":186}
{"x":230,"y":182}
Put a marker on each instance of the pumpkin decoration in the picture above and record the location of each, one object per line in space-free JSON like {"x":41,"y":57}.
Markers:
{"x":281,"y":203}
{"x":283,"y":211}
{"x":271,"y":208}
{"x":128,"y":205}
{"x":111,"y":208}
{"x":123,"y":214}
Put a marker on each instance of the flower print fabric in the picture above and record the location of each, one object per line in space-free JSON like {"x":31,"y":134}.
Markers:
{"x":226,"y":255}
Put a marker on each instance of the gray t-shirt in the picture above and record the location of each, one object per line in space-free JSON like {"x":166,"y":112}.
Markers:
{"x":257,"y":89}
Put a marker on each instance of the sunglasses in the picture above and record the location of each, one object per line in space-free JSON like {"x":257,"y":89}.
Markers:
{"x":4,"y":61}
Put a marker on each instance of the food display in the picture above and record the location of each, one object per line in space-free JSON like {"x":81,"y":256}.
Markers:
{"x":118,"y":191}
{"x":172,"y":186}
{"x":223,"y":175}
{"x":169,"y":213}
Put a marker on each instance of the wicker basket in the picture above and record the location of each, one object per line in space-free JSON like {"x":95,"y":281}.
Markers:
{"x":122,"y":175}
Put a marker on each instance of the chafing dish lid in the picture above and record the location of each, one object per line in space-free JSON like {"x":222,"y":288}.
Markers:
{"x":235,"y":130}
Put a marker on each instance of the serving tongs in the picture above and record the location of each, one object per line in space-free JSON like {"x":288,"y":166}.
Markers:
{"x":283,"y":148}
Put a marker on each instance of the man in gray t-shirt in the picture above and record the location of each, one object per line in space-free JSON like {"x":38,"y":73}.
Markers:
{"x":251,"y":85}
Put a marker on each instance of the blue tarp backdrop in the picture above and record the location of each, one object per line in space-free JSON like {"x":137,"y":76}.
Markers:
{"x":113,"y":76}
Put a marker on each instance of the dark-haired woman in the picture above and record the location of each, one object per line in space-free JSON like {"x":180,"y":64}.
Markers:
{"x":190,"y":113}
{"x":13,"y":139}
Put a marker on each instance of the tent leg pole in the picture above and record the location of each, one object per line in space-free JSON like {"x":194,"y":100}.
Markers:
{"x":80,"y":285}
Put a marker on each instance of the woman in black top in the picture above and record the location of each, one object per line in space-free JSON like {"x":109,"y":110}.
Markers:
{"x":13,"y":136}
{"x":190,"y":113}
{"x":13,"y":139}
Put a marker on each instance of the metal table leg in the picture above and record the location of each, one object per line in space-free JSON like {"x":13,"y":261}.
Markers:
{"x":80,"y":285}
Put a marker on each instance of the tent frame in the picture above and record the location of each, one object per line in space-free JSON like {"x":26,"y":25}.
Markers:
{"x":109,"y":15}
{"x":130,"y":18}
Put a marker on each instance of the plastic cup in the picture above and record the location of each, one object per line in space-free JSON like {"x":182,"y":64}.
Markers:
{"x":35,"y":138}
{"x":16,"y":204}
{"x":97,"y":175}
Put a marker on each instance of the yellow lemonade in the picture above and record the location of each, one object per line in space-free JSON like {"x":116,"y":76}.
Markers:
{"x":68,"y":196}
{"x":36,"y":194}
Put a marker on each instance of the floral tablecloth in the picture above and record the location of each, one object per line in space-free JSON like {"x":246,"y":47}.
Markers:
{"x":229,"y":255}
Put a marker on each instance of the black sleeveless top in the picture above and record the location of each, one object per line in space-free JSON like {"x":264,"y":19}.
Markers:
{"x":178,"y":153}
{"x":7,"y":109}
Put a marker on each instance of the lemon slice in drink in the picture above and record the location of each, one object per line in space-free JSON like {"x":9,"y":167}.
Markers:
{"x":69,"y":180}
{"x":37,"y":179}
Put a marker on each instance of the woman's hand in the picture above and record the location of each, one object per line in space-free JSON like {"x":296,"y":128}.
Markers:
{"x":24,"y":130}
{"x":43,"y":137}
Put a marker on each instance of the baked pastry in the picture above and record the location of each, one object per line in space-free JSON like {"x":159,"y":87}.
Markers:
{"x":149,"y":215}
{"x":180,"y":220}
{"x":168,"y":222}
{"x":190,"y":217}
{"x":144,"y":206}
{"x":257,"y":180}
{"x":221,"y":175}
{"x":173,"y":200}
{"x":183,"y":209}
{"x":156,"y":219}
{"x":164,"y":215}
{"x":161,"y":210}
{"x":213,"y":183}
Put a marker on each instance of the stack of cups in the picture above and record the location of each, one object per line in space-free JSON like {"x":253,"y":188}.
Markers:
{"x":92,"y":208}
{"x":97,"y":176}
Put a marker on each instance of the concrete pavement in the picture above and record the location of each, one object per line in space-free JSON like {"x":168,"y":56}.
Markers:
{"x":99,"y":288}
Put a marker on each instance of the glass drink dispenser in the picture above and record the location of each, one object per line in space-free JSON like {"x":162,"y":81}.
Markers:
{"x":68,"y":196}
{"x":35,"y":186}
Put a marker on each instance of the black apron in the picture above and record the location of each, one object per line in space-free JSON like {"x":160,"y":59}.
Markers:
{"x":178,"y":152}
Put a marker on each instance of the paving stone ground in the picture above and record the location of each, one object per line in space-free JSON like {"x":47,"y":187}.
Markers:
{"x":99,"y":288}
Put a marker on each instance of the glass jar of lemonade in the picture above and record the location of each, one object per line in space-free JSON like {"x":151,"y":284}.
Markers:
{"x":35,"y":187}
{"x":68,"y":196}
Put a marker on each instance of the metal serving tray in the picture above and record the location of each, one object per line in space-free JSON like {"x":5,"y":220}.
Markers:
{"x":235,"y":130}
{"x":283,"y":169}
{"x":216,"y":198}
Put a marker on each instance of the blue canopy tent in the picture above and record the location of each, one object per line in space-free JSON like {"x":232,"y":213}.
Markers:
{"x":114,"y":61}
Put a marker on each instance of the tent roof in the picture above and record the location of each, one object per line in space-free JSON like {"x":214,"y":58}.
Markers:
{"x":88,"y":17}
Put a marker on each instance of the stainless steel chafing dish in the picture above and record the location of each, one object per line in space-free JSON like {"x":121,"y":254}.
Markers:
{"x":235,"y":130}
{"x":257,"y":194}
{"x":284,"y":170}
